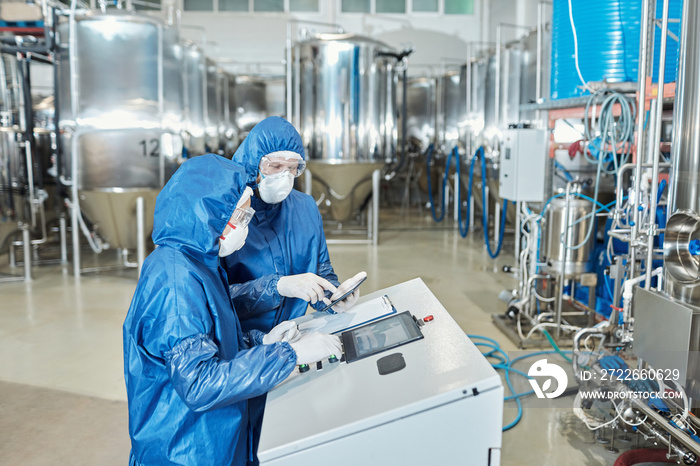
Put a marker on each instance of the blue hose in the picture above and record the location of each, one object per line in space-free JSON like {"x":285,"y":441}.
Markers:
{"x":464,"y":224}
{"x":506,"y":364}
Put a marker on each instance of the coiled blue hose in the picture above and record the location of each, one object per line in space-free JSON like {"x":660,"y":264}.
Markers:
{"x":506,"y":364}
{"x":464,"y":224}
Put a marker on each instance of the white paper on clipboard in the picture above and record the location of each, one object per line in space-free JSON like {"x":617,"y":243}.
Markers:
{"x":358,"y":315}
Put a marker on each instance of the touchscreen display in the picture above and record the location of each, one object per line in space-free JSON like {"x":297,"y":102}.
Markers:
{"x":383,"y":334}
{"x":380,"y":336}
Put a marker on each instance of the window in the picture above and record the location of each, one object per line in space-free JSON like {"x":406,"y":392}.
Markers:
{"x":148,"y":5}
{"x":233,"y":5}
{"x":356,"y":6}
{"x":459,"y":7}
{"x":390,"y":6}
{"x":302,"y":5}
{"x":268,"y":5}
{"x":430,"y":6}
{"x":199,"y":5}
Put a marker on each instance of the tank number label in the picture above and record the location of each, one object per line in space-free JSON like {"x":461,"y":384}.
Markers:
{"x":154,"y":145}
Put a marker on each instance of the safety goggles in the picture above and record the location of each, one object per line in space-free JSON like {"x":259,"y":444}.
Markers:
{"x":284,"y":161}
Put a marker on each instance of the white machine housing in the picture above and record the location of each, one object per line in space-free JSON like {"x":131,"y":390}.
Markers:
{"x":445,"y":407}
{"x":523,"y":167}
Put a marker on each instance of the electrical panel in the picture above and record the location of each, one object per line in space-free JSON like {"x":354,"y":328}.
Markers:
{"x":523,"y":165}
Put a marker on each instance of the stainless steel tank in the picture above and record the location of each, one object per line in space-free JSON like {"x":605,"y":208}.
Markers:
{"x":194,"y":79}
{"x":251,"y":102}
{"x":528,"y":70}
{"x":343,"y":102}
{"x":45,"y":137}
{"x":554,"y":248}
{"x":452,"y":109}
{"x":118,"y":143}
{"x":683,"y":227}
{"x":421,"y":111}
{"x":230,"y":134}
{"x":214,"y":107}
{"x":14,"y":208}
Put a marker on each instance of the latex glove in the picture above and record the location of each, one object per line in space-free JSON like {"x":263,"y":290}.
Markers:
{"x":286,"y":331}
{"x":315,"y":346}
{"x":348,"y":302}
{"x":307,"y":286}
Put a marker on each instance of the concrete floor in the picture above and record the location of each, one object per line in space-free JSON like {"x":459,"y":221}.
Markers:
{"x":62,"y":395}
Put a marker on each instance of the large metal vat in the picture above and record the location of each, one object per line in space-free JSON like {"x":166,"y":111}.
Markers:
{"x":214,"y":107}
{"x":257,"y":97}
{"x":118,"y":145}
{"x":452,"y":110}
{"x":421,"y":112}
{"x":194,"y":79}
{"x":14,"y":208}
{"x":343,"y":101}
{"x":577,"y":257}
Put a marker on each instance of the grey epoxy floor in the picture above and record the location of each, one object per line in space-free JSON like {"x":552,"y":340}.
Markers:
{"x":62,"y":396}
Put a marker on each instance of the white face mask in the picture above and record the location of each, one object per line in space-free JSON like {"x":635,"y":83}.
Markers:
{"x":275,"y":188}
{"x":232,"y":241}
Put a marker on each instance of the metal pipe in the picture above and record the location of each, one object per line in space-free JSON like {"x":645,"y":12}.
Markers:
{"x":496,"y":222}
{"x":651,"y":234}
{"x":641,"y":106}
{"x":456,"y":196}
{"x":62,"y":233}
{"x":308,"y":179}
{"x":518,"y":218}
{"x":73,"y":66}
{"x":27,"y":250}
{"x":30,"y":180}
{"x":471,"y":213}
{"x":140,"y":234}
{"x":540,"y":47}
{"x":376,"y":177}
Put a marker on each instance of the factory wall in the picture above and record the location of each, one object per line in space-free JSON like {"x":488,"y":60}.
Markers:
{"x":260,"y":37}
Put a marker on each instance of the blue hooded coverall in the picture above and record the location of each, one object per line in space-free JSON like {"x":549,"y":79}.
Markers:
{"x":189,"y":368}
{"x":284,"y":239}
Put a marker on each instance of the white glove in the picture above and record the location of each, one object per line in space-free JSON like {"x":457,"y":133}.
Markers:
{"x":315,"y":346}
{"x":307,"y":286}
{"x":286,"y":331}
{"x":348,"y":302}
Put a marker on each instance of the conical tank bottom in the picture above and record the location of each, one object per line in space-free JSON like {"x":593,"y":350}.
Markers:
{"x":6,"y":228}
{"x":345,"y":185}
{"x":114,"y":211}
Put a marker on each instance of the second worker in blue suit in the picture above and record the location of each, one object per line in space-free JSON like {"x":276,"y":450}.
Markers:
{"x":284,"y":265}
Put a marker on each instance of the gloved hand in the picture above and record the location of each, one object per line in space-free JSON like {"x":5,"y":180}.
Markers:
{"x":315,"y":346}
{"x":348,"y":302}
{"x":307,"y":286}
{"x":286,"y":331}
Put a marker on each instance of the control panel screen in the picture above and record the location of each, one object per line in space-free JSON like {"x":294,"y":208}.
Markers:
{"x":380,"y":336}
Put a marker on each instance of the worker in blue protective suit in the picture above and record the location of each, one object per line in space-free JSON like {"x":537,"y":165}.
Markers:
{"x":284,"y":265}
{"x":189,"y":368}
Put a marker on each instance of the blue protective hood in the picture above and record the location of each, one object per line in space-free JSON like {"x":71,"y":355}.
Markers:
{"x":193,"y":208}
{"x":270,"y":135}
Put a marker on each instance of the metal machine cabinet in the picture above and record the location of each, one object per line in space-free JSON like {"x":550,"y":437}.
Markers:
{"x":445,"y":407}
{"x":523,"y":165}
